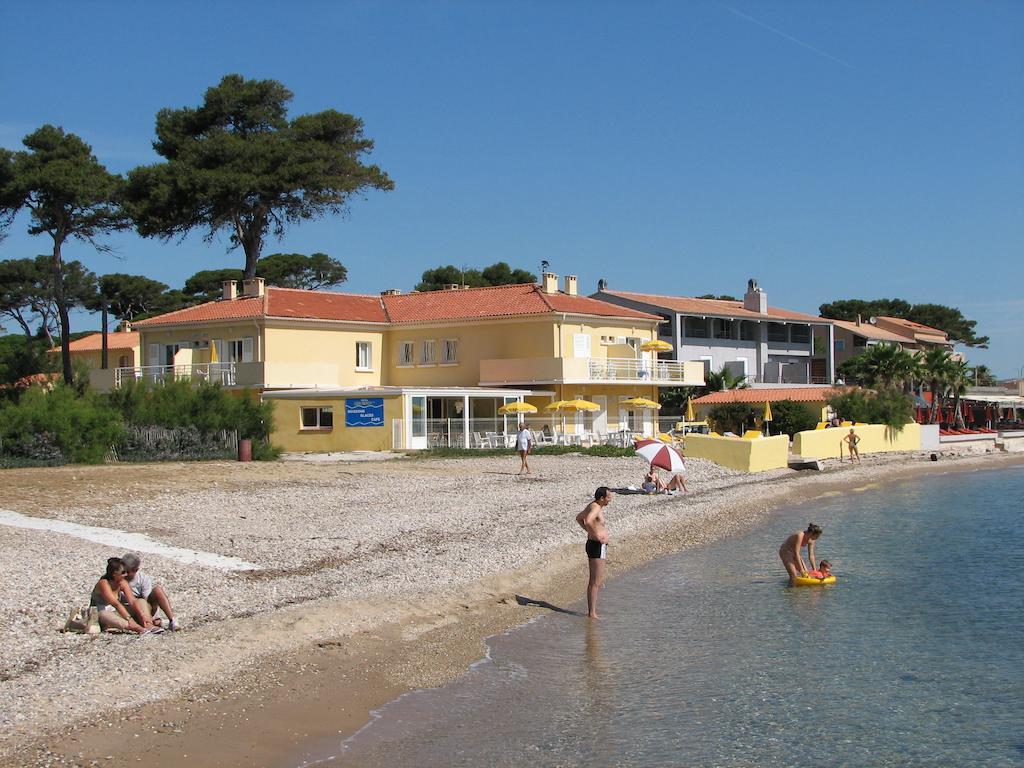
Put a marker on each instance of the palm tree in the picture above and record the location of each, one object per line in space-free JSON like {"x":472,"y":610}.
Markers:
{"x":717,"y":381}
{"x":883,"y":366}
{"x":938,"y":369}
{"x":960,"y":378}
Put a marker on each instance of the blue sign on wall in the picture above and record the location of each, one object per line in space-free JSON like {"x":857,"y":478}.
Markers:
{"x":364,"y":412}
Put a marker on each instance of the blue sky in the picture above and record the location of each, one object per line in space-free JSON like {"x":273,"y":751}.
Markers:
{"x":830,"y":150}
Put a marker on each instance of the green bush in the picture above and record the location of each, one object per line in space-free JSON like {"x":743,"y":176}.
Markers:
{"x":789,"y":417}
{"x":82,"y":427}
{"x":887,"y":406}
{"x":732,"y":417}
{"x":206,"y":407}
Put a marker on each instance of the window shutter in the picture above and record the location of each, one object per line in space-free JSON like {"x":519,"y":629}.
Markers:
{"x":247,"y":349}
{"x":154,"y":354}
{"x":581,"y":345}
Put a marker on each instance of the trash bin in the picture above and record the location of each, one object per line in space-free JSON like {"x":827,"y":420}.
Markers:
{"x":245,"y":449}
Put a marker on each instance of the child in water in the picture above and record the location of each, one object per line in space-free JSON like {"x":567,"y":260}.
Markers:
{"x":823,"y":571}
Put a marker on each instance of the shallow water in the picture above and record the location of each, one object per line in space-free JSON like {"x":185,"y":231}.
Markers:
{"x":707,"y":658}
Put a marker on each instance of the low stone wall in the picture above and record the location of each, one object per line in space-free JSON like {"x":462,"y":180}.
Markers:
{"x":756,"y":455}
{"x":874,"y":438}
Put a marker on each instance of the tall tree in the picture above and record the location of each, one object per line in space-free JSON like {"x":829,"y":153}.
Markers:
{"x":938,"y":369}
{"x":26,"y":297}
{"x":69,"y":196}
{"x":128,"y":296}
{"x":293,"y":270}
{"x":849,"y":309}
{"x":498,"y":273}
{"x":949,"y":319}
{"x":238,"y":164}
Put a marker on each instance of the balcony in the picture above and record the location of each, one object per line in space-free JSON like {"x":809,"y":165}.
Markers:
{"x":594,"y":370}
{"x":213,"y":373}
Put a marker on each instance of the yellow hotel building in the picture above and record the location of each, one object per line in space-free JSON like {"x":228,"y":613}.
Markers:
{"x":415,"y":370}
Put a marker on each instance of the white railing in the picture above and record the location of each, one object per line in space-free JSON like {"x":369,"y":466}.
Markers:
{"x":219,"y":373}
{"x":625,"y":368}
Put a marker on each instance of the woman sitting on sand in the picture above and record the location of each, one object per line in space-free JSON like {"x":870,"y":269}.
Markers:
{"x":790,"y":554}
{"x":107,"y":594}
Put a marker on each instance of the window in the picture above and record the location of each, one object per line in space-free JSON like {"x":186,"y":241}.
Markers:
{"x":840,"y":345}
{"x":723,"y":329}
{"x":778,"y":332}
{"x":859,"y":341}
{"x":364,"y":356}
{"x":634,"y":342}
{"x":801,"y":334}
{"x":748,"y":330}
{"x":406,"y":351}
{"x":428,"y":352}
{"x":449,"y":351}
{"x":581,"y":345}
{"x":319,"y":417}
{"x":707,"y":364}
{"x":696,"y":328}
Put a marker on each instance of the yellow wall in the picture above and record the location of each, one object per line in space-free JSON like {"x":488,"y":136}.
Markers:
{"x":757,"y":455}
{"x":289,"y":435}
{"x":202,"y":333}
{"x":598,"y":328}
{"x":874,"y":438}
{"x":94,"y":358}
{"x":298,"y":357}
{"x":476,"y":341}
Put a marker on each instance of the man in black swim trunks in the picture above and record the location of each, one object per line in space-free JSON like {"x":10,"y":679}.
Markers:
{"x":591,"y":520}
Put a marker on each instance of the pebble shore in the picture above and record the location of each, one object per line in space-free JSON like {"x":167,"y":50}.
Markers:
{"x":333,"y":535}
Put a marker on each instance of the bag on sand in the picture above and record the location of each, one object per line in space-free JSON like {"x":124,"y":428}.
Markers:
{"x":85,"y":621}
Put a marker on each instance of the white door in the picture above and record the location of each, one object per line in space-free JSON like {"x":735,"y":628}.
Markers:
{"x":418,"y":421}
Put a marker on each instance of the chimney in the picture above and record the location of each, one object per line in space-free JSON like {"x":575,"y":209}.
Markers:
{"x":858,"y":318}
{"x":570,"y":285}
{"x":549,"y":282}
{"x":451,"y":286}
{"x":229,"y":290}
{"x":391,"y":292}
{"x":126,"y":326}
{"x":253,"y":287}
{"x":755,"y":300}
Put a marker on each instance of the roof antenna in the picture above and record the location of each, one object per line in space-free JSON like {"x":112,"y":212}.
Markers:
{"x":544,"y":266}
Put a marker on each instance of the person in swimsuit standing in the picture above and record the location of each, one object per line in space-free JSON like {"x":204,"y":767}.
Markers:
{"x":591,"y":520}
{"x":789,"y":552}
{"x":851,"y":440}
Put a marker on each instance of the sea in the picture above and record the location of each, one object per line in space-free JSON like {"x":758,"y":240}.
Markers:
{"x":915,"y":657}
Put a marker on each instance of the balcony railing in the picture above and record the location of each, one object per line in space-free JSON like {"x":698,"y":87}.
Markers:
{"x":624,"y":368}
{"x":219,"y":373}
{"x":544,"y":370}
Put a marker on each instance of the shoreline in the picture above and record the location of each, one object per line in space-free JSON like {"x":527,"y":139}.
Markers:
{"x":324,"y":683}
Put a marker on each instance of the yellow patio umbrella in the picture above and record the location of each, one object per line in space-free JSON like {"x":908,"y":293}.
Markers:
{"x":656,"y":345}
{"x":213,"y":351}
{"x":579,"y":405}
{"x":518,"y":407}
{"x":555,"y":406}
{"x":640,"y":402}
{"x":689,"y":410}
{"x":767,"y":411}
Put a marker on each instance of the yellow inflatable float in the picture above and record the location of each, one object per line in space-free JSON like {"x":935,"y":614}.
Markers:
{"x":812,"y":581}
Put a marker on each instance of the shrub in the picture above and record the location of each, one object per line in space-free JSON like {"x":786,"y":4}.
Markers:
{"x":81,"y":427}
{"x":789,"y":417}
{"x":732,"y":417}
{"x":888,"y":406}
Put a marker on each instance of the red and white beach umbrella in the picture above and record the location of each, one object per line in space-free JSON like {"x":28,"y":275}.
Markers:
{"x":659,"y":454}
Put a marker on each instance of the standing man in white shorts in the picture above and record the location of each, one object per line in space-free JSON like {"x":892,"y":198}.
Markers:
{"x":149,"y":596}
{"x":524,"y":444}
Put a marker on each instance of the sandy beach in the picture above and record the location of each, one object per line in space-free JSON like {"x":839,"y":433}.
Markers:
{"x":374,"y":578}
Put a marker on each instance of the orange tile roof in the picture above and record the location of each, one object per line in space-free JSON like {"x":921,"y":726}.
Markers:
{"x":94,"y":342}
{"x":717,"y":307}
{"x":869,"y":331}
{"x":797,"y":394}
{"x":496,"y":301}
{"x":924,"y":330}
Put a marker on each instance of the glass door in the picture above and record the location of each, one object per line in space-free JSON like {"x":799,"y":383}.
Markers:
{"x":418,"y":421}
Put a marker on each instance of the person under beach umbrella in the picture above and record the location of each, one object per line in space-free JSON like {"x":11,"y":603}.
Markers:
{"x":659,"y":454}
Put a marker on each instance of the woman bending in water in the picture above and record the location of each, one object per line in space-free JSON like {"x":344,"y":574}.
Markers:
{"x":789,"y":552}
